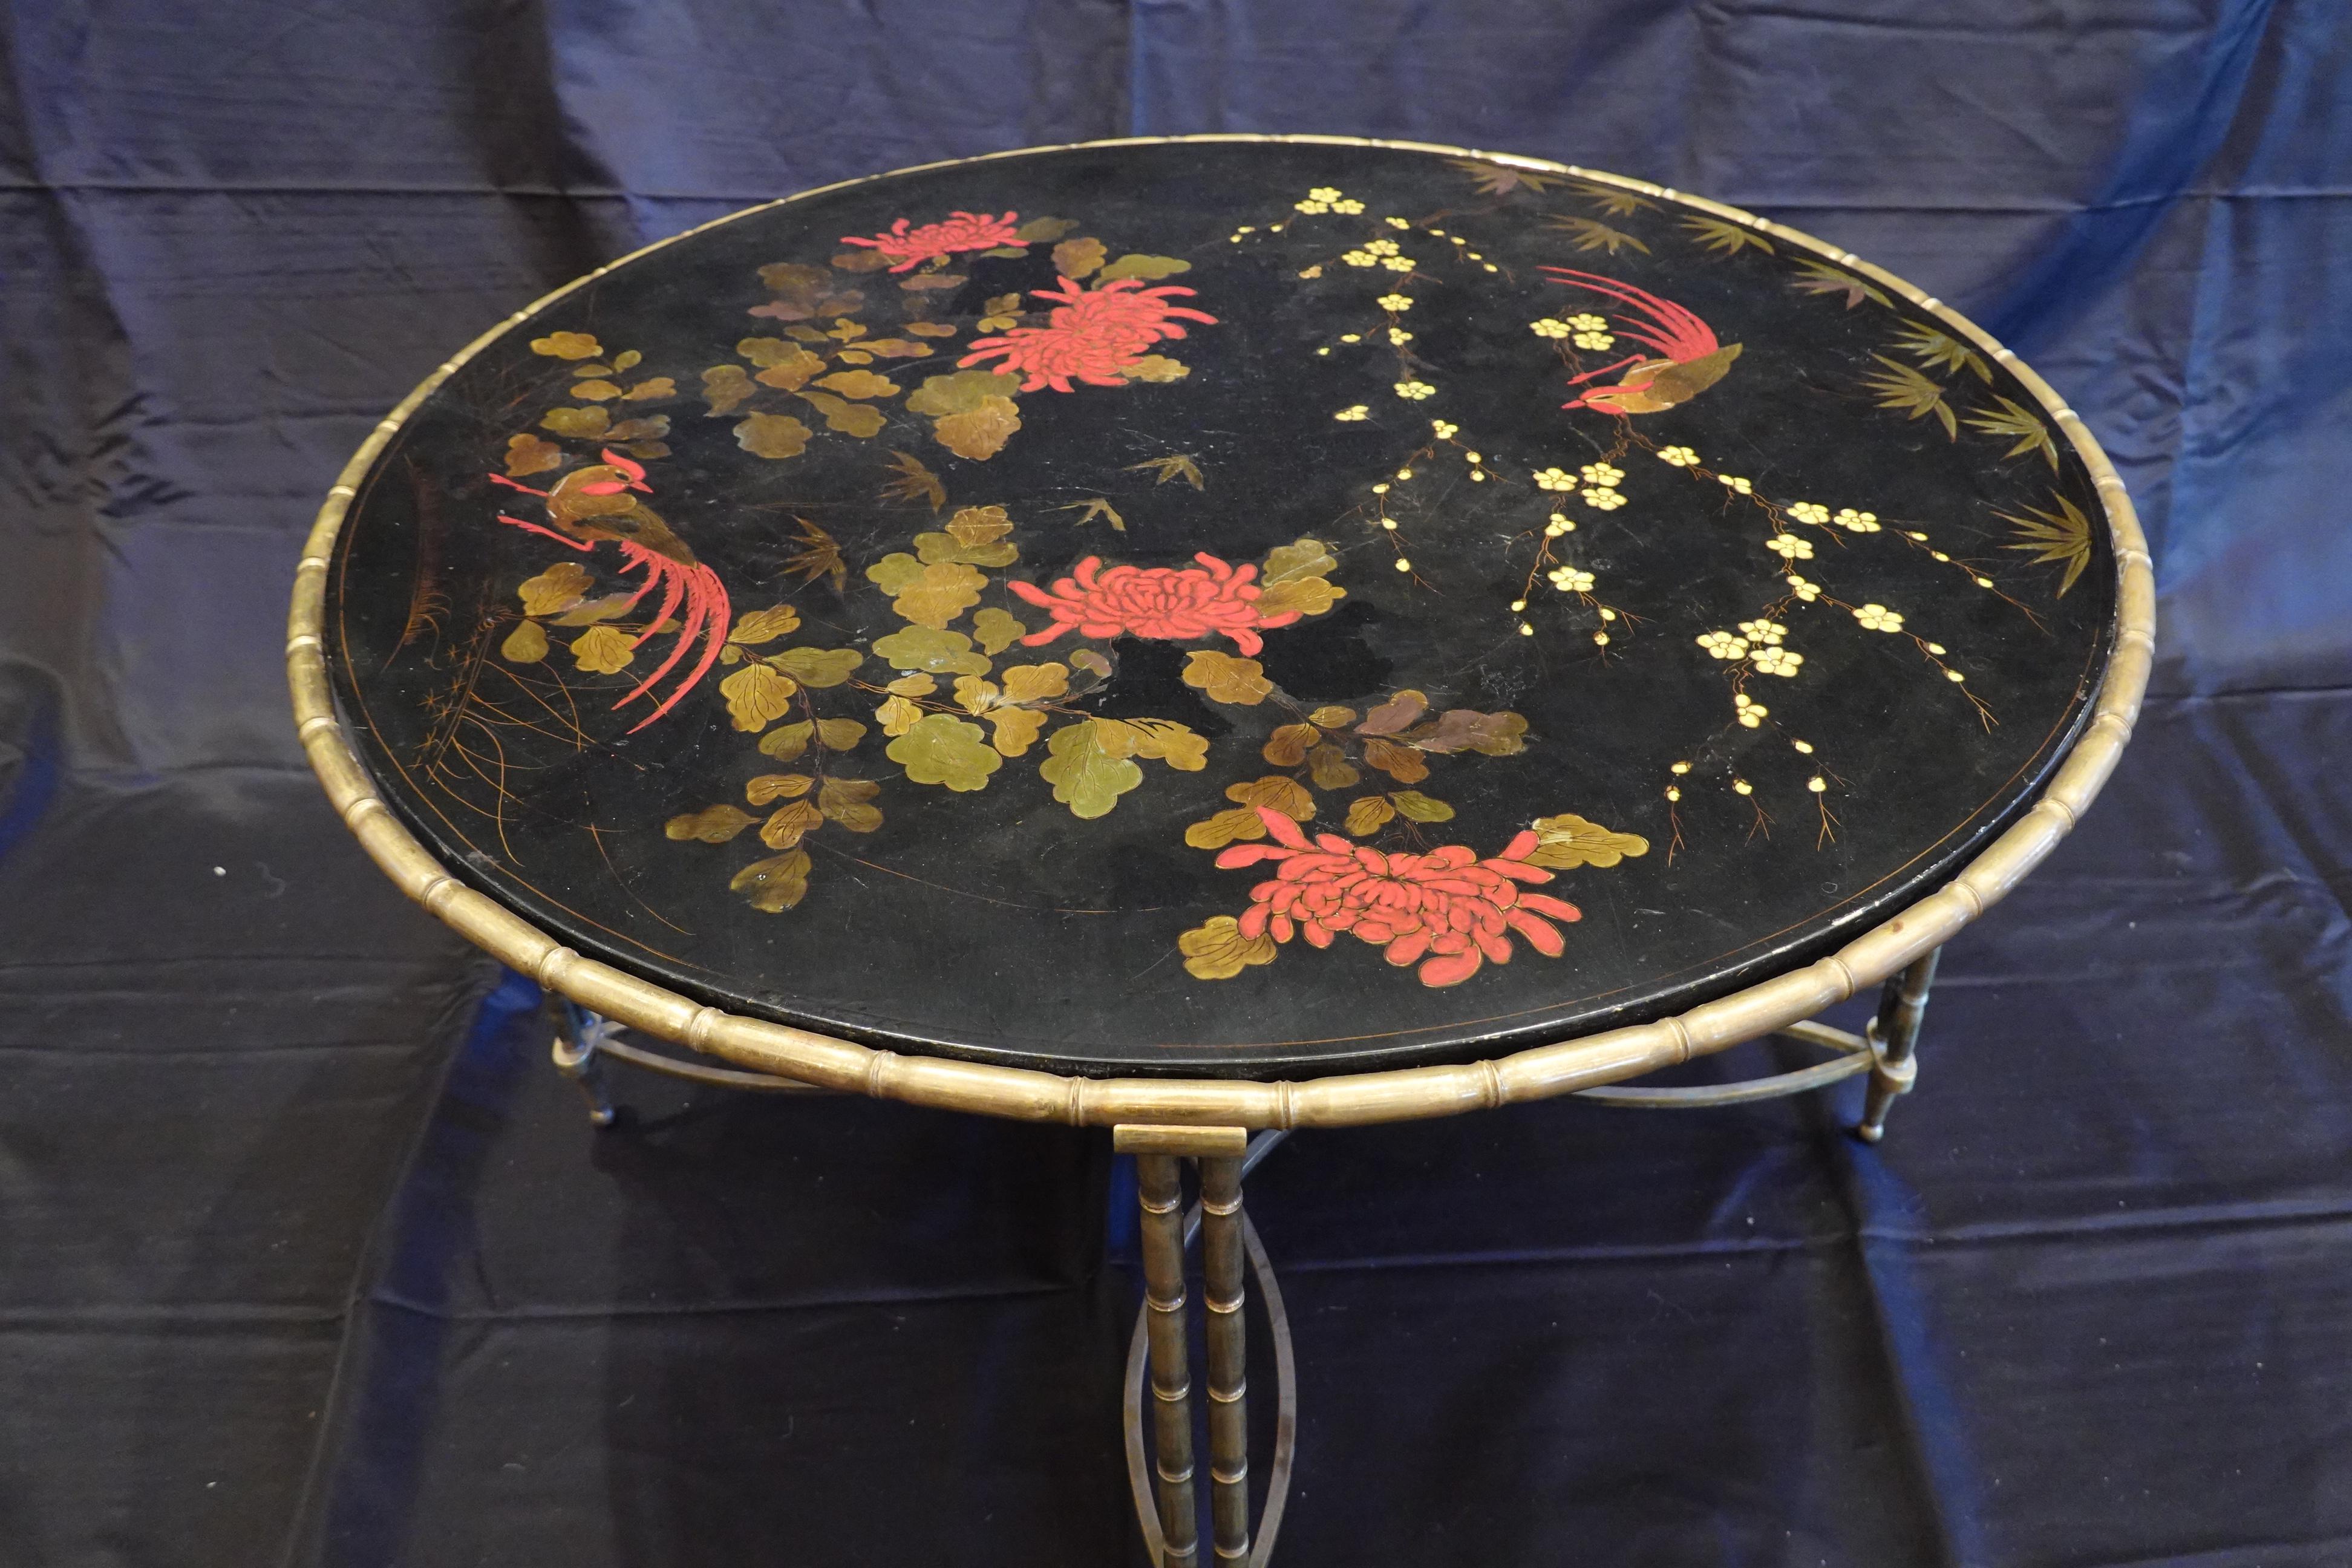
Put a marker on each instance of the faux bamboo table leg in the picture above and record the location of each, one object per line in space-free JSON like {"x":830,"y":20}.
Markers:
{"x":1220,"y":1251}
{"x":1894,"y":1038}
{"x":1160,"y":1179}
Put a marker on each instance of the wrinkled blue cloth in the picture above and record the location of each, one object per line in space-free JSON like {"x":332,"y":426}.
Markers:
{"x":310,"y":1260}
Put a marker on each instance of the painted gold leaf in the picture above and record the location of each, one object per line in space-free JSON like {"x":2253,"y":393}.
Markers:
{"x":588,"y":423}
{"x":995,"y":631}
{"x":1091,"y":766}
{"x":653,"y":386}
{"x":527,"y":454}
{"x":1329,"y":768}
{"x":895,"y":348}
{"x":818,"y":667}
{"x":596,"y":391}
{"x":1076,"y":258}
{"x":604,"y":649}
{"x":839,"y":734}
{"x":1216,"y":950}
{"x":1044,"y":228}
{"x":1288,"y":745}
{"x":786,"y":742}
{"x":895,"y":572}
{"x":1164,"y":740}
{"x":931,"y":650}
{"x":1035,"y":682}
{"x":859,"y":383}
{"x":913,"y":686}
{"x":1224,"y":677}
{"x":557,"y":589}
{"x":844,"y":801}
{"x":977,"y":525}
{"x":765,"y":625}
{"x":791,"y":374}
{"x":1400,"y":711}
{"x":943,"y":591}
{"x":932,"y":329}
{"x":915,"y":482}
{"x":1286,"y":795}
{"x":1175,"y":465}
{"x":1307,"y":596}
{"x":711,"y":824}
{"x":941,"y":749}
{"x":1093,"y":508}
{"x":861,"y":261}
{"x":1016,"y":729}
{"x":1570,"y":840}
{"x":1420,"y":807}
{"x":980,"y":434}
{"x":1301,"y":558}
{"x":777,"y":883}
{"x":1402,"y":764}
{"x":652,"y":426}
{"x":724,"y":386}
{"x":784,"y":829}
{"x":566,"y":345}
{"x":1366,"y":815}
{"x":769,"y":788}
{"x":962,"y":392}
{"x":1332,"y":717}
{"x":1146,"y":267}
{"x":757,"y":696}
{"x":1234,"y":825}
{"x":897,"y":715}
{"x":772,"y":436}
{"x":857,"y":419}
{"x":792,"y":277}
{"x":1156,"y":368}
{"x":1467,"y":729}
{"x":939,"y":547}
{"x":526,"y":644}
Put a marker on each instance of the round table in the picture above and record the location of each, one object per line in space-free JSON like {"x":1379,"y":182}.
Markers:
{"x":1217,"y":634}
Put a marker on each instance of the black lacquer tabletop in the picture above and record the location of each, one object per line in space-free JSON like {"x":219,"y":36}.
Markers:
{"x":1246,"y":608}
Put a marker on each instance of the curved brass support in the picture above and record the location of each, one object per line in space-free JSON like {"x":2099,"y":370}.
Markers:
{"x":1855,"y":1056}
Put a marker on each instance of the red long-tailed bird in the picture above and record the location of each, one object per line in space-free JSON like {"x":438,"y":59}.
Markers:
{"x":1693,"y":359}
{"x":588,"y":506}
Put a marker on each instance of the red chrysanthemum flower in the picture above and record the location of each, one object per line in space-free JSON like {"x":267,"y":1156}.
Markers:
{"x":1448,"y":910}
{"x":1172,"y":603}
{"x":910,"y":248}
{"x":1092,"y":335}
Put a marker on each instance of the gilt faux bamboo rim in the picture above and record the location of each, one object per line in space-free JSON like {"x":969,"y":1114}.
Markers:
{"x":1340,"y":1100}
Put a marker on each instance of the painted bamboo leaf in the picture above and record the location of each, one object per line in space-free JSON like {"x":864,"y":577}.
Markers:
{"x":2061,"y":536}
{"x":1916,"y":395}
{"x":1725,"y":237}
{"x":2026,"y":428}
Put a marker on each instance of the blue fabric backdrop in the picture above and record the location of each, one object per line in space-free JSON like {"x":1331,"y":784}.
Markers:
{"x":309,"y":1259}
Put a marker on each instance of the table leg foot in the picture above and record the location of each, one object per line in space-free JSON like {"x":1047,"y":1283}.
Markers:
{"x":1893,"y":1037}
{"x":577,"y":1036}
{"x":1167,"y":1507}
